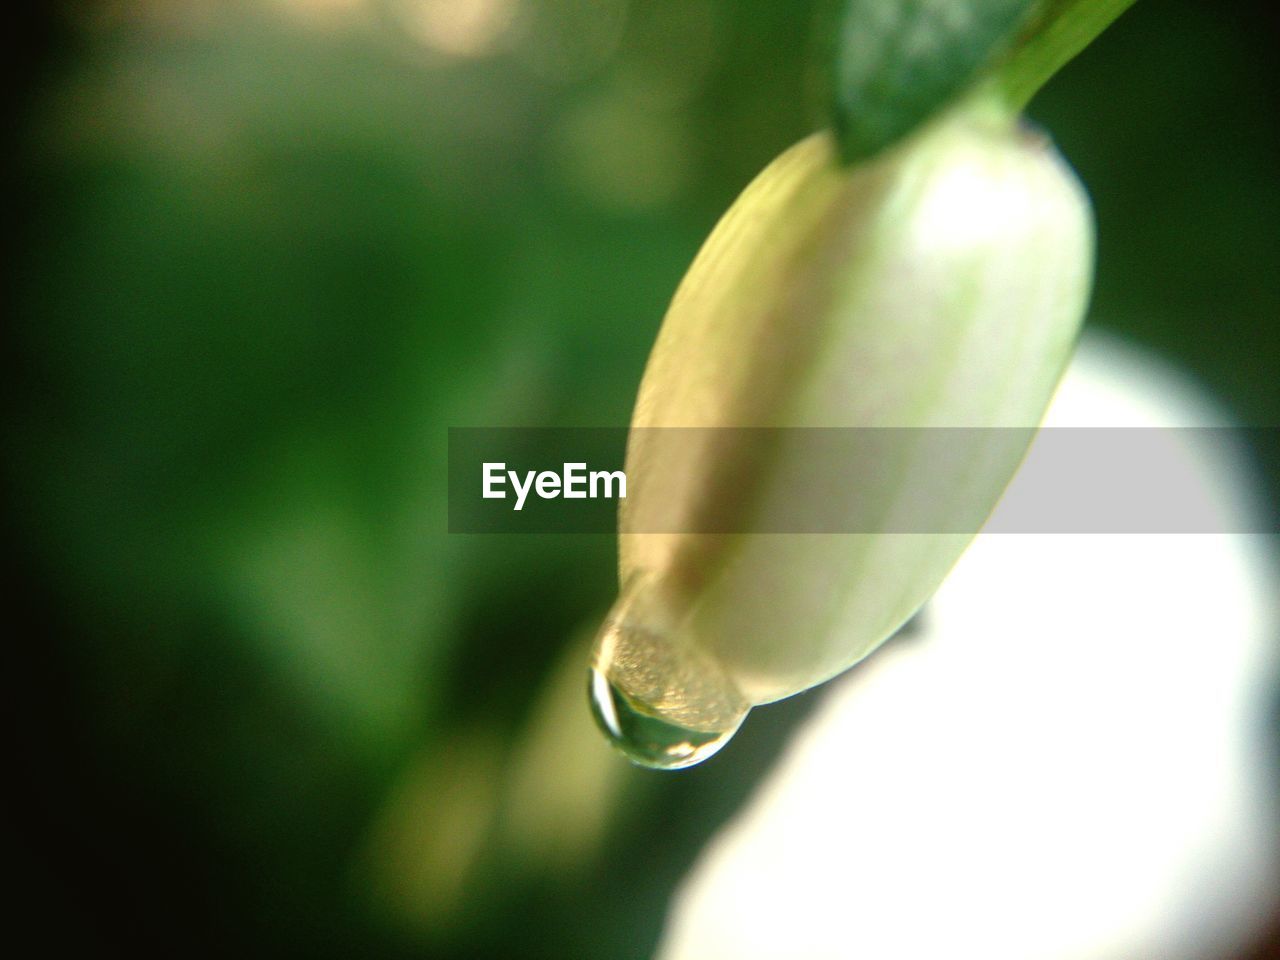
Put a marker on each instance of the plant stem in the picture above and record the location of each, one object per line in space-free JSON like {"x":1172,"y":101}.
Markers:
{"x":1055,"y":36}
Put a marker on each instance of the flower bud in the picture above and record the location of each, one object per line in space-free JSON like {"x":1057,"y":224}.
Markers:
{"x":942,"y":285}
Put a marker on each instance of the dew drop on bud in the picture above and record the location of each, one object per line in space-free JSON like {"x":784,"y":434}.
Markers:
{"x":658,"y":699}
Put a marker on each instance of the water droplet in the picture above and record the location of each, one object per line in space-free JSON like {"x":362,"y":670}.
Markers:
{"x":663,"y":703}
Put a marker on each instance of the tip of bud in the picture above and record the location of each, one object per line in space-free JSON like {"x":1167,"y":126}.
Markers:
{"x":663,"y":703}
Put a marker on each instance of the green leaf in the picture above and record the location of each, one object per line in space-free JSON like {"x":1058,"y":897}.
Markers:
{"x":898,"y":61}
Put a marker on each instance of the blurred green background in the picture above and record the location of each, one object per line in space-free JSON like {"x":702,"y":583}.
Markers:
{"x":267,"y":251}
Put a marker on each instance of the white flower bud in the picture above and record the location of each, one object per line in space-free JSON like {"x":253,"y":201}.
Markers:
{"x":942,"y":285}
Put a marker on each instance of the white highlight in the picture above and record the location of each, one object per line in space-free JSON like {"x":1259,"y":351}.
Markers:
{"x":1069,"y":764}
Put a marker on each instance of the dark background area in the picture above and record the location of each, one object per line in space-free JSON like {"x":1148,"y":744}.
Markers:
{"x":264,"y":254}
